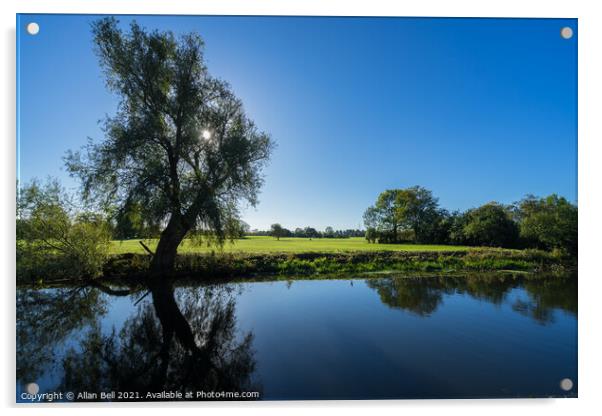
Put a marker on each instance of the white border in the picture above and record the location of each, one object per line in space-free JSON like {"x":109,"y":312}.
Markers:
{"x":590,"y":176}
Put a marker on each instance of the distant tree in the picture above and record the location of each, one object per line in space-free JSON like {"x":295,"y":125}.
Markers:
{"x":456,"y":222}
{"x":180,"y":145}
{"x":311,"y":232}
{"x":129,"y":222}
{"x":404,"y":209}
{"x":371,"y":235}
{"x":329,"y":232}
{"x":442,"y":228}
{"x":245,"y":227}
{"x":490,"y":225}
{"x":299,"y":232}
{"x":549,"y":223}
{"x":277,"y":231}
{"x":242,"y":229}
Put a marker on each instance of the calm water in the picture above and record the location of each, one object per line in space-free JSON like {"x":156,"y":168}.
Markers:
{"x":376,"y":338}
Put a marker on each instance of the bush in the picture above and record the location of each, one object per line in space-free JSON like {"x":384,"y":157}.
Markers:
{"x":53,"y":242}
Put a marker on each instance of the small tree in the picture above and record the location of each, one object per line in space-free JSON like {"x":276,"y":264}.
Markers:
{"x":277,"y":231}
{"x":53,"y":239}
{"x":311,"y":232}
{"x":371,"y":235}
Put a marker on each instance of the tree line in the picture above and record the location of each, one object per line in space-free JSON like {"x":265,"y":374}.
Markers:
{"x":278,"y":231}
{"x":414,"y":215}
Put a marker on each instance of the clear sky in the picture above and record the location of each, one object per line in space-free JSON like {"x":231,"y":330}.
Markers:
{"x":474,"y":109}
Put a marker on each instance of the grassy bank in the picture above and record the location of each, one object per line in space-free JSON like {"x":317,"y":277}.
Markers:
{"x":284,"y":245}
{"x":228,"y":265}
{"x":255,"y":256}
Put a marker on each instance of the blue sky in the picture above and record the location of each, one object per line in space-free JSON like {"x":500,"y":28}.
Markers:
{"x":474,"y":109}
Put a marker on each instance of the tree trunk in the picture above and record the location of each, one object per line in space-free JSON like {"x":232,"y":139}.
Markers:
{"x":171,"y":317}
{"x":164,"y":260}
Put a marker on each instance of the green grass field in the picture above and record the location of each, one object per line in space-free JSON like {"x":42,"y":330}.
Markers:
{"x":284,"y":245}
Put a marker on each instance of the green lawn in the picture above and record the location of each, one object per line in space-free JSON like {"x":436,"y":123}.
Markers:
{"x":285,"y":245}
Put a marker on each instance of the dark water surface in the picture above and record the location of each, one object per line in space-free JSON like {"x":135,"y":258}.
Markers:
{"x":376,"y":338}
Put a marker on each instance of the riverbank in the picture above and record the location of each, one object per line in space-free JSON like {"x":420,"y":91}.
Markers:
{"x":224,"y":265}
{"x":229,"y":265}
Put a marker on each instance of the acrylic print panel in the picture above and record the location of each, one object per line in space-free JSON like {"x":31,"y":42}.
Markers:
{"x":295,"y":208}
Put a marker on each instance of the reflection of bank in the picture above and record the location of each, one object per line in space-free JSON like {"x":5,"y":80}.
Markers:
{"x":183,"y":341}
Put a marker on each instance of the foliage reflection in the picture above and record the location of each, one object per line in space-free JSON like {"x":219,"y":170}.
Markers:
{"x":423,"y":295}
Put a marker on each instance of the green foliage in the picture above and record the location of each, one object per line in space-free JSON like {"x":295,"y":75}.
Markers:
{"x":53,"y":240}
{"x":277,"y":231}
{"x":490,"y":225}
{"x":311,"y":232}
{"x":413,"y":214}
{"x":328,"y":232}
{"x":129,"y":221}
{"x":371,"y":235}
{"x":457,"y":221}
{"x":548,"y":223}
{"x":398,"y":211}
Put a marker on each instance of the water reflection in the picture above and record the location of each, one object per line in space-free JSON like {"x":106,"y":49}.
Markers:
{"x":545,"y":295}
{"x":540,"y":295}
{"x":154,"y":337}
{"x":177,"y":342}
{"x":46,"y":318}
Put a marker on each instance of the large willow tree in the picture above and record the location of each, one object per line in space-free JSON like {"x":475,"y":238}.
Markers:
{"x":180,"y":145}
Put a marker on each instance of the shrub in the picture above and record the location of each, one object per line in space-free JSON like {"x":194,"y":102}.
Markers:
{"x":53,"y":242}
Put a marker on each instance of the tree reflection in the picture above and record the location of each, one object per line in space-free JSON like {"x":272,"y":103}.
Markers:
{"x":417,"y":295}
{"x":423,"y":295}
{"x":46,"y":318}
{"x":546,"y":295}
{"x":186,"y":339}
{"x":181,"y":341}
